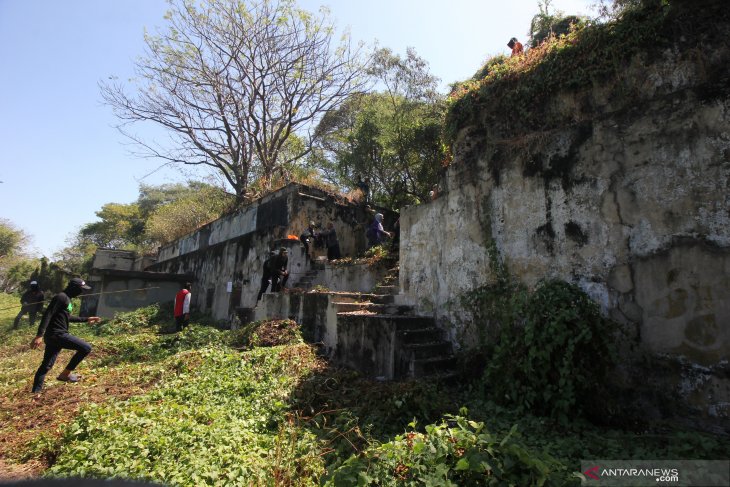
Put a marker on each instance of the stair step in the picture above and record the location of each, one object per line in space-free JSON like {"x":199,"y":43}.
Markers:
{"x":380,"y":309}
{"x":433,"y":365}
{"x":429,"y":349}
{"x":362,"y":297}
{"x":385,"y":289}
{"x":422,"y":335}
{"x":402,"y":322}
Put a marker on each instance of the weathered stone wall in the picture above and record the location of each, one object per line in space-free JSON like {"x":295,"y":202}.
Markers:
{"x":114,"y":259}
{"x":630,"y":199}
{"x":233,"y":249}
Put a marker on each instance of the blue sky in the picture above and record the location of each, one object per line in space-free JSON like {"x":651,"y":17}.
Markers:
{"x":61,"y":158}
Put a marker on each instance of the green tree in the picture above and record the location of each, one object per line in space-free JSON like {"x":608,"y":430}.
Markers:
{"x":392,"y":137}
{"x":187,"y":213}
{"x":545,"y":24}
{"x":51,"y":276}
{"x":120,"y":226}
{"x":12,"y":239}
{"x":233,"y":81}
{"x":125,"y":226}
{"x":15,"y":265}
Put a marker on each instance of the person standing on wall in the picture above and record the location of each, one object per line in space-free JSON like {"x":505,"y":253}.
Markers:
{"x":267,"y":275}
{"x":280,"y":271}
{"x":308,"y":236}
{"x":54,"y":331}
{"x":182,"y":307}
{"x":516,"y":46}
{"x":376,"y":232}
{"x":31,"y":302}
{"x":364,"y":187}
{"x":333,"y":245}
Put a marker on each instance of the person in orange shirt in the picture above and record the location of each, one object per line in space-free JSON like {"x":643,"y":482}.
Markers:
{"x":516,"y":47}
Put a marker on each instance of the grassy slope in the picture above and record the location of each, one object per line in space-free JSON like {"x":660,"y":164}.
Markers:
{"x":192,"y":409}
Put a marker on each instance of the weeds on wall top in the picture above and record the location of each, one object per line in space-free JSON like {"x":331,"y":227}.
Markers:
{"x":512,"y":89}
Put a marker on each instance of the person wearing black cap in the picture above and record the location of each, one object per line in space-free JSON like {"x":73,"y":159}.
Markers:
{"x":31,"y":302}
{"x":54,"y":331}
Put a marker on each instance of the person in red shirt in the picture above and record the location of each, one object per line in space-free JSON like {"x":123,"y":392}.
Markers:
{"x":182,"y":307}
{"x":516,"y":47}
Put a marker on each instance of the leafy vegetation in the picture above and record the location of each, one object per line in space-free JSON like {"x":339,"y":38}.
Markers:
{"x":454,"y":452}
{"x":548,"y":24}
{"x":511,"y":92}
{"x":192,"y":409}
{"x":14,"y":264}
{"x":548,"y":348}
{"x":392,"y":137}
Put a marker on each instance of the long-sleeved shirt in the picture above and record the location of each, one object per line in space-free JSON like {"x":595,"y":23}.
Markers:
{"x":32,"y":299}
{"x":280,"y":264}
{"x":57,"y":317}
{"x":330,"y":237}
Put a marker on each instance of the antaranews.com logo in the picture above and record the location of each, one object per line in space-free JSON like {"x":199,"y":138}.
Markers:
{"x":640,"y":473}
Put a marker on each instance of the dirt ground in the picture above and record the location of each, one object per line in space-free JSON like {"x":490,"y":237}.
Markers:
{"x":32,"y":422}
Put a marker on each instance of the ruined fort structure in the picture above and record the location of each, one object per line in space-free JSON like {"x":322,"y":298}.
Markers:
{"x":624,"y":191}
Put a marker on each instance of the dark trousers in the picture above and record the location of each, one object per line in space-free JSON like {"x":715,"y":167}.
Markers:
{"x":333,"y":252}
{"x":31,"y":315}
{"x":54,"y":345}
{"x":278,"y":281}
{"x":265,"y":280}
{"x":181,"y":322}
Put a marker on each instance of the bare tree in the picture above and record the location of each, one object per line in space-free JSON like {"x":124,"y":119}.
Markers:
{"x":233,"y":81}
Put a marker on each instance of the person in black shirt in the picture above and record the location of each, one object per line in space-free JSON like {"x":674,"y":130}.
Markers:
{"x":31,"y":302}
{"x":267,"y":276}
{"x":333,"y":245}
{"x":54,"y":331}
{"x":280,"y":271}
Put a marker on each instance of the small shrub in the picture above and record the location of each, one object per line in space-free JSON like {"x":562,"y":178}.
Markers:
{"x":452,"y":453}
{"x":133,"y":321}
{"x":554,"y":357}
{"x":269,"y":333}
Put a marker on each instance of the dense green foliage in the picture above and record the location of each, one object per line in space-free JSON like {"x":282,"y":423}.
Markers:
{"x":546,"y":23}
{"x":14,"y":265}
{"x":160,"y":214}
{"x":549,"y":350}
{"x":513,"y":93}
{"x":223,"y":422}
{"x":391,"y":138}
{"x":454,"y":452}
{"x":555,"y":355}
{"x":199,"y":411}
{"x":201,"y":205}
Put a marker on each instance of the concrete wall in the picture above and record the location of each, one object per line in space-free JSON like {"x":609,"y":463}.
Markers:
{"x":355,"y":278}
{"x":125,"y":294}
{"x":234,"y":248}
{"x":114,"y":259}
{"x":317,"y":312}
{"x":114,"y":290}
{"x":630,"y":201}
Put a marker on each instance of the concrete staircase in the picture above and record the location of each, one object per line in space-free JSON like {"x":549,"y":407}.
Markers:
{"x":418,"y":347}
{"x":305,"y":281}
